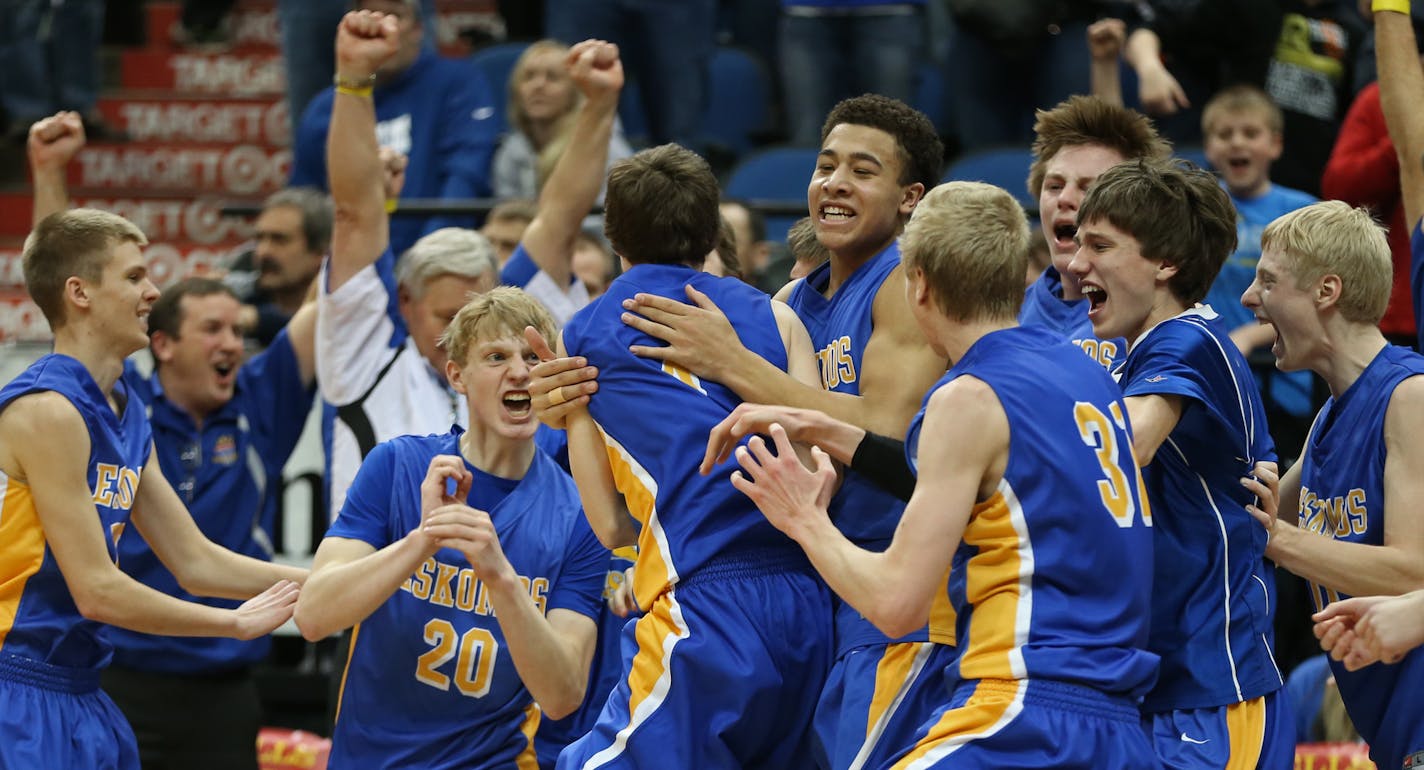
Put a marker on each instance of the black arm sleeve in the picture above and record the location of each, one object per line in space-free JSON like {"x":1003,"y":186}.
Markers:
{"x":882,"y":460}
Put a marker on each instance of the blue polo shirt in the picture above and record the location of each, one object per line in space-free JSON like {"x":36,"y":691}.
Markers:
{"x":228,"y":473}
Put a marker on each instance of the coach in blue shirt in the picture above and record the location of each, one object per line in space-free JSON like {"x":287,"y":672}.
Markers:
{"x":222,"y":431}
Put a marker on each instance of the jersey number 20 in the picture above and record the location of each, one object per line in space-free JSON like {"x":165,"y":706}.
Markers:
{"x":473,"y":669}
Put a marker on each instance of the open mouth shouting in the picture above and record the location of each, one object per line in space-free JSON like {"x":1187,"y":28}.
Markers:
{"x":517,"y":404}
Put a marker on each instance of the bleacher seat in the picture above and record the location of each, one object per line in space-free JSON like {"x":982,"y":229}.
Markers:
{"x":496,"y":62}
{"x":777,"y":174}
{"x":738,"y":100}
{"x":1006,"y":167}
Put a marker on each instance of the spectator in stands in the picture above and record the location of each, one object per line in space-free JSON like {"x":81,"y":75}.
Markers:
{"x":670,"y":44}
{"x":49,"y":61}
{"x":542,"y":264}
{"x":594,"y":263}
{"x":1363,"y":170}
{"x":435,"y":111}
{"x":723,"y":260}
{"x":1243,"y":130}
{"x":543,"y":103}
{"x":805,"y":247}
{"x":377,"y":358}
{"x":505,"y":226}
{"x":293,"y":236}
{"x":749,"y":232}
{"x":307,"y":48}
{"x":222,"y":431}
{"x":835,"y":49}
{"x":1185,"y":52}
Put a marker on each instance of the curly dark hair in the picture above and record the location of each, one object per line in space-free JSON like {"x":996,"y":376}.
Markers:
{"x":921,"y":153}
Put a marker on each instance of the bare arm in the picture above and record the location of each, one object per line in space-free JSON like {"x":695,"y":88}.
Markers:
{"x":965,"y":439}
{"x":572,"y":187}
{"x":55,"y":471}
{"x":1355,"y":568}
{"x":1401,"y":81}
{"x":301,"y":330}
{"x":201,"y":566}
{"x":360,"y":227}
{"x":896,"y":370}
{"x":588,"y":459}
{"x":1159,"y":92}
{"x":1152,"y":418}
{"x":1105,"y":41}
{"x":52,"y":144}
{"x":350,"y":579}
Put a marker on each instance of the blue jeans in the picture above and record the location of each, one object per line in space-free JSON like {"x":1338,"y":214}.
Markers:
{"x":309,"y":46}
{"x":825,"y":59}
{"x":995,"y":94}
{"x":665,"y":45}
{"x":49,"y":57}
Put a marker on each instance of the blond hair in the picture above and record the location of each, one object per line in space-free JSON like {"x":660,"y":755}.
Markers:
{"x":1333,"y":238}
{"x":494,"y":315}
{"x":971,"y":241}
{"x":1242,"y":98}
{"x":76,"y":243}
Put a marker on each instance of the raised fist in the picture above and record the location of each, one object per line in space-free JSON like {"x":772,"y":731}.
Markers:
{"x":365,"y":40}
{"x":595,"y":68}
{"x":54,"y":141}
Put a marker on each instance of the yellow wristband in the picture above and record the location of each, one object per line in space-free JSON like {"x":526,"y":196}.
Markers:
{"x":364,"y":92}
{"x":1397,"y":6}
{"x":391,"y":205}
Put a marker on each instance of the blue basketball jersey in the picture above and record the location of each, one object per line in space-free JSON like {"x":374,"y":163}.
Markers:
{"x":429,"y":683}
{"x":1044,"y":306}
{"x":655,"y":419}
{"x":1029,"y":582}
{"x":840,"y":327}
{"x":38,"y":619}
{"x":1214,"y":592}
{"x":1342,"y":496}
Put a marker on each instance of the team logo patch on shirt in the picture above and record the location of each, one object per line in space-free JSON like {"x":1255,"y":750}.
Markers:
{"x":1157,"y":378}
{"x":225,"y":450}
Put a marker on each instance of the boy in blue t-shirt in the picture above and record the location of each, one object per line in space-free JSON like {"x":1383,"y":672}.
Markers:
{"x":1242,"y":129}
{"x":468,"y":569}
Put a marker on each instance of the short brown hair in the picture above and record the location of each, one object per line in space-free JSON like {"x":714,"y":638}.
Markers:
{"x":167,"y":313}
{"x":1177,"y":212}
{"x":804,"y":245}
{"x":501,"y":312}
{"x":1083,"y":120}
{"x":921,"y":152}
{"x":78,"y":242}
{"x":661,"y":207}
{"x":1242,"y":97}
{"x":971,"y":241}
{"x":1332,"y":238}
{"x":514,"y":209}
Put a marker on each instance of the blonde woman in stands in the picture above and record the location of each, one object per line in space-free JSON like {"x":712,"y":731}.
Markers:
{"x":542,"y":104}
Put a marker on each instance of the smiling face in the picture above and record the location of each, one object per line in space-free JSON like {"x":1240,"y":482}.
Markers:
{"x":855,"y":196}
{"x":495,"y":381}
{"x":122,"y":299}
{"x":1067,"y":177}
{"x":1127,"y":292}
{"x":198,"y":366}
{"x":1241,"y":146}
{"x":1276,"y":297}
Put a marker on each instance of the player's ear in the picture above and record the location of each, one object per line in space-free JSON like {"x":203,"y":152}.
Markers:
{"x":76,"y":291}
{"x":162,"y":346}
{"x":1328,"y":290}
{"x":455,"y":376}
{"x":1165,"y":270}
{"x":911,"y":198}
